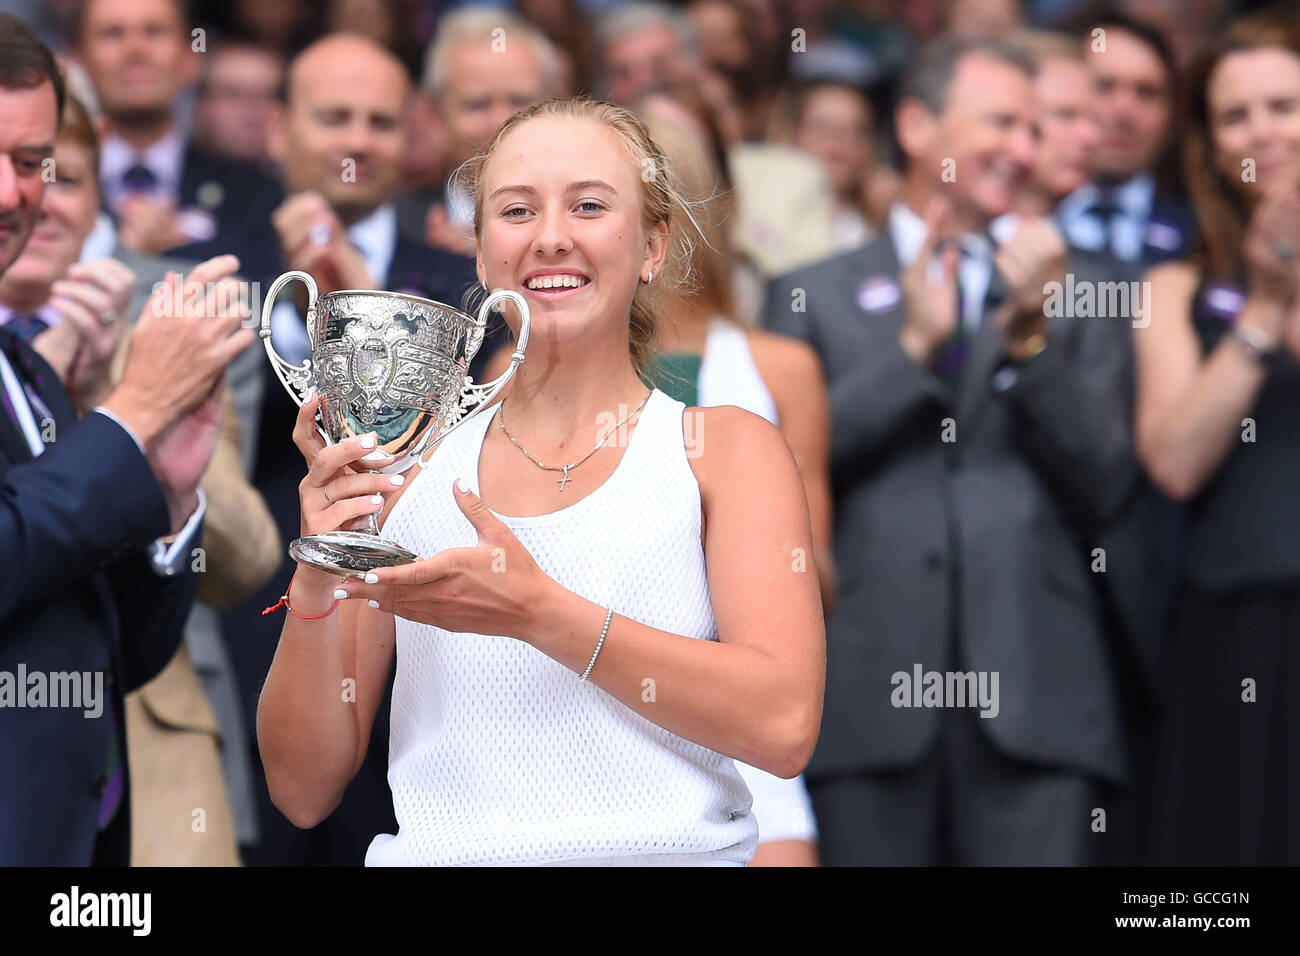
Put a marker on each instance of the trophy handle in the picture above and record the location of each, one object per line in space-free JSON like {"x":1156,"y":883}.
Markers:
{"x":294,"y":378}
{"x":478,"y":396}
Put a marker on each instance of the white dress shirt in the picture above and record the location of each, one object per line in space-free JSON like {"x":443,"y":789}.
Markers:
{"x":974,"y":269}
{"x":164,"y":158}
{"x":1133,"y":201}
{"x":102,"y":239}
{"x":376,"y":238}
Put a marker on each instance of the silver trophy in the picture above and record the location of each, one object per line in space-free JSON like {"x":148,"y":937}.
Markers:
{"x":388,"y":363}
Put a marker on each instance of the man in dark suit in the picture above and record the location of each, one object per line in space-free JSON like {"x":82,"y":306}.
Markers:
{"x":1131,"y":208}
{"x":97,"y":516}
{"x":978,"y":434}
{"x":339,"y":138}
{"x":165,"y":194}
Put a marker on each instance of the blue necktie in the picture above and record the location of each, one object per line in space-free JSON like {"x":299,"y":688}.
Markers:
{"x":27,"y":325}
{"x":140,"y":179}
{"x":1104,"y":208}
{"x":22,"y":359}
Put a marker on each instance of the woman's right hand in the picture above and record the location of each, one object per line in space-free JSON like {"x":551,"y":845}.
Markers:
{"x":1274,"y":227}
{"x":340,"y":492}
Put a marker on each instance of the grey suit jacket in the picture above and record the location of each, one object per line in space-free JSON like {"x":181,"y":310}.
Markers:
{"x":988,"y":534}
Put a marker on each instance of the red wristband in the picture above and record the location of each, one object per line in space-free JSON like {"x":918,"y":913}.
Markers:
{"x":284,"y":602}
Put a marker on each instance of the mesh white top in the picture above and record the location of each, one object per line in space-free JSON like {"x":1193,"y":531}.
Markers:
{"x":499,"y":755}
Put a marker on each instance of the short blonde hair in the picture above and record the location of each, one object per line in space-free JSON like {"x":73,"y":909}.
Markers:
{"x":662,"y":199}
{"x":78,"y":127}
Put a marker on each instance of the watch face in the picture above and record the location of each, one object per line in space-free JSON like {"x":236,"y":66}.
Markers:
{"x":1031,"y":346}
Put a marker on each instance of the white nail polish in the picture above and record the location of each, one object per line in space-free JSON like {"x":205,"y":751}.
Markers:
{"x":340,"y":594}
{"x":462,"y":484}
{"x":377,"y":499}
{"x":368,"y":441}
{"x":397,"y":480}
{"x":372,"y":578}
{"x":374,"y":604}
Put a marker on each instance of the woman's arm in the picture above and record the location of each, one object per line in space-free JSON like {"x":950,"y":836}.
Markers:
{"x":1189,"y":410}
{"x":320,"y":698}
{"x":756,"y":694}
{"x":793,"y":374}
{"x":328,"y":676}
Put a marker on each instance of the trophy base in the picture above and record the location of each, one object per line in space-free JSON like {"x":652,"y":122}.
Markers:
{"x":349,"y":553}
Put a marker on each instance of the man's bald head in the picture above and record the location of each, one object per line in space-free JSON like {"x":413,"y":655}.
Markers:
{"x":341,"y":129}
{"x":347,"y":53}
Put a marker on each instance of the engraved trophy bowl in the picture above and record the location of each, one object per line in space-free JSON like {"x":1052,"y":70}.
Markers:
{"x":393,"y":364}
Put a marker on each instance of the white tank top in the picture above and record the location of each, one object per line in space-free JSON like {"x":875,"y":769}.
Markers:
{"x":728,"y":375}
{"x":500,"y":755}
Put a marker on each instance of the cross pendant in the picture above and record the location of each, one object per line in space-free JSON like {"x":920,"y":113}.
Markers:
{"x":562,"y":481}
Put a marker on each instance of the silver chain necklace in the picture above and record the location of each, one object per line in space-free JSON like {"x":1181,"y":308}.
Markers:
{"x":501,"y":418}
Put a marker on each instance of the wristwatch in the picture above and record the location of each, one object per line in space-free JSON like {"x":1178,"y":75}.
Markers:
{"x":1254,"y":343}
{"x":1027,"y":348}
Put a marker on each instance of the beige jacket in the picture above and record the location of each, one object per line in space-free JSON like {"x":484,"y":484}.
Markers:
{"x":180,"y":815}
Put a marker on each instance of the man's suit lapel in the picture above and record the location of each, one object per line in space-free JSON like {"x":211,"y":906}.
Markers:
{"x":189,"y":180}
{"x":36,"y":372}
{"x":13,"y":447}
{"x":981,"y":361}
{"x":874,"y":278}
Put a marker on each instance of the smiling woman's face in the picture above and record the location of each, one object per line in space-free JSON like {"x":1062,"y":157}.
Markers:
{"x":563,"y":223}
{"x":1253,"y":102}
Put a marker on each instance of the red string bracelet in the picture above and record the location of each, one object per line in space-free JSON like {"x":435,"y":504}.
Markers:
{"x":284,"y":602}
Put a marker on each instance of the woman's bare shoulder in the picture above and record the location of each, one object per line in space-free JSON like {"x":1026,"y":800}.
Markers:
{"x":727,"y":445}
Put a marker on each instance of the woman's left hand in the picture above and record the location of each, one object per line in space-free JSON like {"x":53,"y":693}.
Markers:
{"x":494,"y":588}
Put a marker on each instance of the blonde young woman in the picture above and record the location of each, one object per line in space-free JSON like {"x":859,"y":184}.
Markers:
{"x":663,"y":570}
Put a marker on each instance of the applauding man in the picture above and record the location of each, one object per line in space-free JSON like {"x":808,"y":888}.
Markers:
{"x":97,"y":515}
{"x":979,"y":437}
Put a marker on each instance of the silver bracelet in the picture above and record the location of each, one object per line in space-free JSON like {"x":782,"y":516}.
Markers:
{"x":601,"y":643}
{"x":1256,"y":343}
